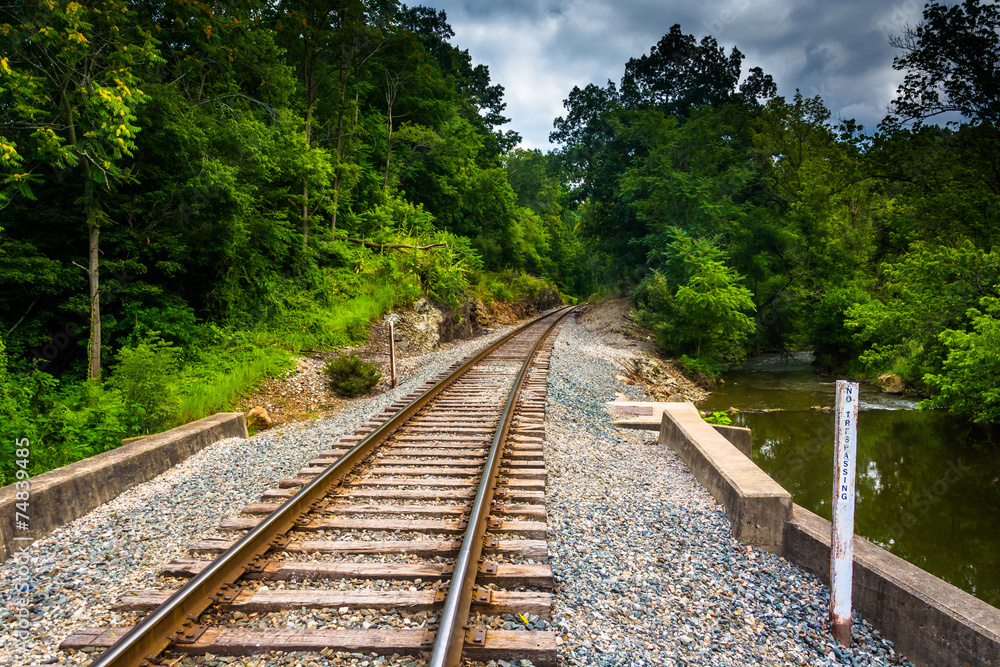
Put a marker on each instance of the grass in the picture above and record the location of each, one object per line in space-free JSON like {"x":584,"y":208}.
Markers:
{"x":308,"y":321}
{"x":203,"y":396}
{"x":68,"y":421}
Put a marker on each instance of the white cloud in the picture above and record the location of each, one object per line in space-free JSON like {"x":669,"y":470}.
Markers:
{"x":539,"y":50}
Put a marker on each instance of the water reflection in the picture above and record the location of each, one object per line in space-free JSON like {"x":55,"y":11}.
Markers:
{"x":928,"y":483}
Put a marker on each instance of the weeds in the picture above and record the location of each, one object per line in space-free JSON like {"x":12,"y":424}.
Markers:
{"x":718,"y":417}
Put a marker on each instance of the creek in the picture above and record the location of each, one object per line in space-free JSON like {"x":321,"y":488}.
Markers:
{"x":928,"y":485}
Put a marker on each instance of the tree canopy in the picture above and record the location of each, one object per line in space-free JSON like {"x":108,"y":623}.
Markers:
{"x":951,"y":63}
{"x":742,"y":221}
{"x":190,"y":189}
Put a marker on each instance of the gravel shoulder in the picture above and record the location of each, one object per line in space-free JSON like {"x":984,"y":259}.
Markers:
{"x":632,"y":351}
{"x":646,"y":571}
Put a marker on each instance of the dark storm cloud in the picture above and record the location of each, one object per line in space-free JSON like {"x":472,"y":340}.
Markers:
{"x":539,"y":50}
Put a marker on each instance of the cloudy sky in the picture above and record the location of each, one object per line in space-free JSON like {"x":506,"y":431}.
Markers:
{"x":539,"y":49}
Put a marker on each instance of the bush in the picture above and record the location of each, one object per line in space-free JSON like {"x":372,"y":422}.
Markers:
{"x":969,"y":384}
{"x":351,"y":376}
{"x":693,"y":366}
{"x":718,"y":417}
{"x":60,"y":425}
{"x":80,"y":421}
{"x":145,"y":375}
{"x":705,"y":319}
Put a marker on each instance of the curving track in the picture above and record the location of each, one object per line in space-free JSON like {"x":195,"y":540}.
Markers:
{"x":414,"y":536}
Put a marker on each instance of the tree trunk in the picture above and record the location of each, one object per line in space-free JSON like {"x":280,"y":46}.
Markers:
{"x":336,"y":200}
{"x":93,"y":248}
{"x":309,"y":76}
{"x":93,"y":273}
{"x":340,"y":135}
{"x":340,"y":153}
{"x":392,"y":86}
{"x":388,"y":151}
{"x":305,"y":213}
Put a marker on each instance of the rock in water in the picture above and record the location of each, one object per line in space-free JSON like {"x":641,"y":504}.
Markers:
{"x":890,"y":383}
{"x":259,"y":420}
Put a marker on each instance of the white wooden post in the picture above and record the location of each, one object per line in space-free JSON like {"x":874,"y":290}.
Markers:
{"x":844,"y":470}
{"x":392,"y":355}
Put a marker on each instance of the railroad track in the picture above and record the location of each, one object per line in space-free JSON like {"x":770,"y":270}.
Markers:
{"x":418,"y":535}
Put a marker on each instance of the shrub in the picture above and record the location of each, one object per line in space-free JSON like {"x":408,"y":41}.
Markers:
{"x":968,"y":384}
{"x":718,"y":417}
{"x":693,"y":366}
{"x":60,"y":425}
{"x":705,"y":319}
{"x":351,"y":376}
{"x":145,"y":376}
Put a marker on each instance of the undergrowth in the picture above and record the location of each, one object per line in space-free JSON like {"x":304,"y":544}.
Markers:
{"x":160,"y":379}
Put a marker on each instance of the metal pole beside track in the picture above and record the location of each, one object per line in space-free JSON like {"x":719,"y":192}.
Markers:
{"x":392,"y":356}
{"x":842,"y":552}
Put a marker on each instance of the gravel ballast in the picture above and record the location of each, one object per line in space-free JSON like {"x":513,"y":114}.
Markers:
{"x":78,"y":571}
{"x":646,"y":572}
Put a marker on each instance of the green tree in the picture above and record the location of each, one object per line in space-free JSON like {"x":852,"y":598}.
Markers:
{"x":537,"y":184}
{"x":969,"y":382}
{"x":950,"y":63}
{"x":697,"y":306}
{"x":616,"y":137}
{"x":680,"y":73}
{"x":69,"y":91}
{"x":479,"y":100}
{"x":328,"y":43}
{"x":833,"y":342}
{"x":925,"y":292}
{"x":951,"y":67}
{"x":688,"y":177}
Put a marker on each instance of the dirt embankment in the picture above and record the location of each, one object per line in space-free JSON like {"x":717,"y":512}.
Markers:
{"x":610,"y":322}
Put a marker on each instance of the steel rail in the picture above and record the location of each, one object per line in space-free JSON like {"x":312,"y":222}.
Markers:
{"x":450,"y":639}
{"x":176,"y":620}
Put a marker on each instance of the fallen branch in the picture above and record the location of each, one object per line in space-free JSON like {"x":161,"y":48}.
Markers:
{"x":403,"y":246}
{"x":395,"y":246}
{"x":22,"y":317}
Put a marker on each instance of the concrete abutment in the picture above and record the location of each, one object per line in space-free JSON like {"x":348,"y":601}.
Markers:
{"x":930,"y":621}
